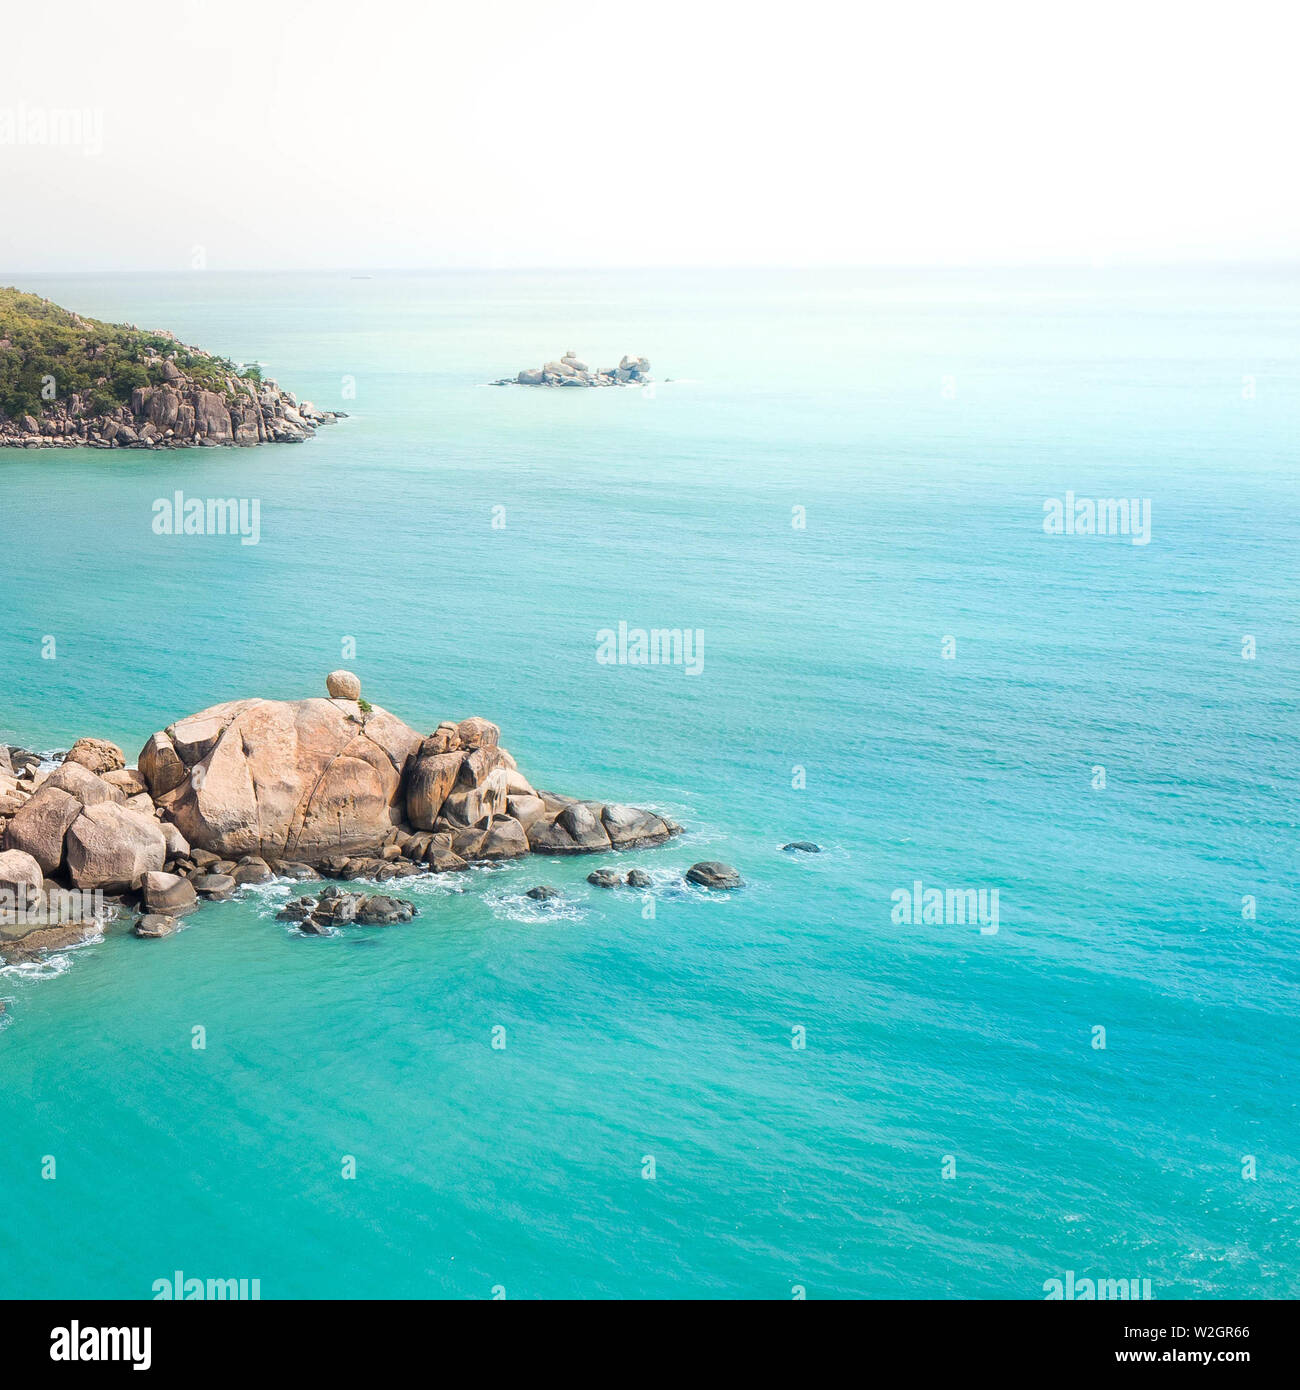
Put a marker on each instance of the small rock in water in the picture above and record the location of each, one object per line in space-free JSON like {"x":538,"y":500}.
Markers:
{"x":806,"y":846}
{"x":709,"y":873}
{"x":604,"y":878}
{"x":543,"y":893}
{"x":637,"y":878}
{"x":154,"y":925}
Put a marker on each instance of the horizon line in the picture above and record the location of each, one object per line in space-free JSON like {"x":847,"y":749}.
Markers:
{"x":1100,"y":263}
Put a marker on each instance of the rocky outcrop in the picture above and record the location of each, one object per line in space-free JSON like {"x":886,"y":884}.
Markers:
{"x":570,"y":370}
{"x":250,"y":790}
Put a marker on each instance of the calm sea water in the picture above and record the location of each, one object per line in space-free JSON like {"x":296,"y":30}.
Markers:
{"x":921,"y":420}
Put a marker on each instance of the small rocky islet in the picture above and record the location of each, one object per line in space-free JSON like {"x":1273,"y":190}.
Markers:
{"x":570,"y":370}
{"x":70,"y":381}
{"x":256,"y":790}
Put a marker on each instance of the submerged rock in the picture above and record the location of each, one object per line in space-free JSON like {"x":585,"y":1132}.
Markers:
{"x":543,"y":893}
{"x":154,"y":925}
{"x":805,"y":846}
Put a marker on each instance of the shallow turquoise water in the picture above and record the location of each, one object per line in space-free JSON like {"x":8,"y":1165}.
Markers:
{"x":921,"y":420}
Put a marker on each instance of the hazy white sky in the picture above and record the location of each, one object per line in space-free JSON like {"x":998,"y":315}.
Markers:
{"x":314,"y":133}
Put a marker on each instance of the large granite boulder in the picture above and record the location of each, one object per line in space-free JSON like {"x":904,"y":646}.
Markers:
{"x":112,"y":847}
{"x":284,"y":779}
{"x":39,"y":826}
{"x":577,"y":829}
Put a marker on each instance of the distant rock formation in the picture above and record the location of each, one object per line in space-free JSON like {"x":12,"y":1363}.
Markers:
{"x":571,"y":371}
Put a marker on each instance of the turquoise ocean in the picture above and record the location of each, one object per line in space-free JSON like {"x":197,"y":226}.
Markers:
{"x":949,"y":1127}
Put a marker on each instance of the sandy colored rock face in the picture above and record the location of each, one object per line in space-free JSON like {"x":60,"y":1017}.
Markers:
{"x":289,"y":780}
{"x":127,"y":780}
{"x":431,"y":779}
{"x":160,"y":765}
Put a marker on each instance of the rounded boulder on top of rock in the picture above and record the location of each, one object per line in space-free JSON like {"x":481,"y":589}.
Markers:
{"x":582,"y":823}
{"x":710,"y":873}
{"x":89,"y":789}
{"x":343,"y":685}
{"x":97,"y":754}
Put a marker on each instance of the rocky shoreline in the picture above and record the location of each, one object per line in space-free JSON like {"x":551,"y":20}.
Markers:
{"x":569,"y":370}
{"x":256,"y":790}
{"x":178,"y":414}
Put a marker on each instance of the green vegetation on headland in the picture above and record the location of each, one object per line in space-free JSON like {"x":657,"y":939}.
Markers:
{"x":100,"y":362}
{"x":71,"y":381}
